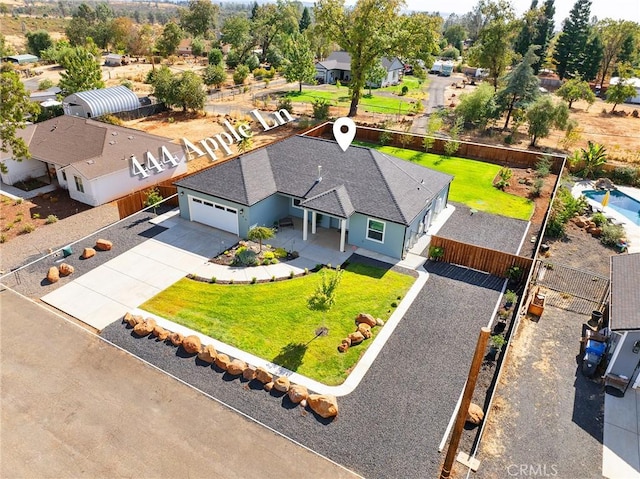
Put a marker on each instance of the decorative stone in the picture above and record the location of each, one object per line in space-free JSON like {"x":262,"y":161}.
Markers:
{"x":475,"y":415}
{"x":269,"y":386}
{"x":161,"y":333}
{"x":356,"y":338}
{"x":303,"y":403}
{"x":263,"y":375}
{"x":145,"y":328}
{"x":236,"y":367}
{"x":176,"y":339}
{"x":366,"y":318}
{"x":88,"y":253}
{"x":597,"y":231}
{"x":53,"y":275}
{"x":344,"y":347}
{"x":297,"y":393}
{"x":379,"y":322}
{"x":191,"y":344}
{"x":208,"y":354}
{"x":365,"y":330}
{"x":325,"y":405}
{"x":104,"y":245}
{"x":127,"y":317}
{"x":66,"y":269}
{"x":222,"y":361}
{"x":282,"y":384}
{"x":249,"y":373}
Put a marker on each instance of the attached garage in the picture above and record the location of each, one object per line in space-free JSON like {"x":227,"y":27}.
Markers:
{"x":213,"y":214}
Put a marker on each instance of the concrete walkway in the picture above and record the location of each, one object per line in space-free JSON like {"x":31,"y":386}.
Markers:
{"x":621,"y":441}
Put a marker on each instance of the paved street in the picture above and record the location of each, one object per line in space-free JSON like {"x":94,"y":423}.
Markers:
{"x":75,"y":406}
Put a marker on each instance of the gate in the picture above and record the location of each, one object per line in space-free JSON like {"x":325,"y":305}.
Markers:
{"x":569,"y":288}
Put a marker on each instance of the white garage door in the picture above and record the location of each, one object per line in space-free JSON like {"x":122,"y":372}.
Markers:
{"x":214,"y":214}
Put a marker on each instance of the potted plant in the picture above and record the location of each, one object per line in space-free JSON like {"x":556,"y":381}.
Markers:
{"x":497,"y":341}
{"x":514,"y":273}
{"x":509,"y":298}
{"x":436,"y":253}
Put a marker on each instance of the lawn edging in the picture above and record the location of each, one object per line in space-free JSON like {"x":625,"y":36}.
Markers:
{"x":356,"y":375}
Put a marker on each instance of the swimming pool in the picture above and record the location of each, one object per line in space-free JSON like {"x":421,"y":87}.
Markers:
{"x":618,"y":201}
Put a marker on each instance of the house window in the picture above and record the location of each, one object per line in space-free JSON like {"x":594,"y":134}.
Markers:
{"x":296,"y":203}
{"x":375,"y":230}
{"x":79,"y":186}
{"x":64,"y":175}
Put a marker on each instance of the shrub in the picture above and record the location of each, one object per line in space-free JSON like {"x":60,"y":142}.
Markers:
{"x":273,"y":278}
{"x":538,"y":184}
{"x":3,"y":239}
{"x":268,"y":255}
{"x":254,"y":280}
{"x":35,"y":216}
{"x":394,"y":304}
{"x":599,"y":219}
{"x":291,"y":274}
{"x":280,"y":253}
{"x":152,"y":198}
{"x":385,"y":138}
{"x":252,"y":62}
{"x":45,"y":84}
{"x":214,"y":279}
{"x":320,"y":109}
{"x":404,"y":90}
{"x":611,"y":234}
{"x":246,"y":258}
{"x":28,"y":228}
{"x":497,"y":341}
{"x":51,"y":219}
{"x":215,"y":56}
{"x":259,"y":73}
{"x":436,"y":252}
{"x":111,"y":120}
{"x":240,"y":75}
{"x":625,"y":175}
{"x":505,"y":175}
{"x":285,"y":104}
{"x":543,"y":167}
{"x":19,"y":201}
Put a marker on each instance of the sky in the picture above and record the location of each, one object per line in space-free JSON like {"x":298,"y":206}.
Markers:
{"x":616,"y":9}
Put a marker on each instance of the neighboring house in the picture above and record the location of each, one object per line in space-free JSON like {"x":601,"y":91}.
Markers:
{"x":337,"y":67}
{"x":113,"y":60}
{"x":624,"y":321}
{"x":381,"y":202}
{"x":185,"y":47}
{"x":91,"y":159}
{"x":21,"y":59}
{"x":49,"y":94}
{"x":94,"y":103}
{"x":629,"y":81}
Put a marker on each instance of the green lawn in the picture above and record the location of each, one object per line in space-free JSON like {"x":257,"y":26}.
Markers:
{"x":473,"y":183}
{"x":272,"y":321}
{"x":340,"y":97}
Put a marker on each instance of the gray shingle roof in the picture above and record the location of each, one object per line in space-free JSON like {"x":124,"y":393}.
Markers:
{"x":342,"y":61}
{"x":624,"y":309}
{"x":360,"y":179}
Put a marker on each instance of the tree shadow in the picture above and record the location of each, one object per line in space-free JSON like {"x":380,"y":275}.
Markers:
{"x":291,"y":355}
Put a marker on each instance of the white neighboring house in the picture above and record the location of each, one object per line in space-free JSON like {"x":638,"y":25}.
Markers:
{"x":337,"y":67}
{"x":92,"y":159}
{"x":629,"y":81}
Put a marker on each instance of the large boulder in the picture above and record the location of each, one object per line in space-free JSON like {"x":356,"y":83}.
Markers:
{"x":66,"y":269}
{"x":53,"y":275}
{"x":324,"y":405}
{"x":249,"y":373}
{"x":236,"y":367}
{"x":208,"y":354}
{"x":223,"y":361}
{"x":133,"y":319}
{"x":103,"y":245}
{"x":191,"y":344}
{"x":145,"y":328}
{"x":263,"y":375}
{"x":160,"y":333}
{"x":88,"y":253}
{"x":297,"y":393}
{"x":365,"y":330}
{"x":475,"y":414}
{"x":356,"y":338}
{"x":282,"y":384}
{"x":176,"y":339}
{"x":366,"y":318}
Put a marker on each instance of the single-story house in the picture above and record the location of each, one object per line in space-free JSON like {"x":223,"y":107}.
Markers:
{"x":49,"y":94}
{"x":93,"y":160}
{"x":113,"y":60}
{"x":21,"y":59}
{"x":185,"y":47}
{"x":629,"y":81}
{"x":94,"y":103}
{"x":337,"y":67}
{"x":624,"y":322}
{"x":375,"y":201}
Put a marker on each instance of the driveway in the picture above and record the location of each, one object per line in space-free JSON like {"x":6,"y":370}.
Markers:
{"x":82,"y":408}
{"x":105,"y":293}
{"x":437,"y":85}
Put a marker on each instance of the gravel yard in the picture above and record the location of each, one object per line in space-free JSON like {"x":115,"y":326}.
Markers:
{"x":391,"y":425}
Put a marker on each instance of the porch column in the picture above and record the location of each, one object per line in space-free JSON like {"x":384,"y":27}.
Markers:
{"x":305,"y":225}
{"x":343,"y":232}
{"x":313,"y":222}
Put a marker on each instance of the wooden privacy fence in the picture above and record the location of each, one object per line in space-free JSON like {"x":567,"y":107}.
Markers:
{"x":135,"y":201}
{"x":482,"y":259}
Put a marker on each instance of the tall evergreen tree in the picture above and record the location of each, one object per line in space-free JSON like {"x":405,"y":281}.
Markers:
{"x":527,"y":33}
{"x":521,"y":86}
{"x":544,"y":32}
{"x":591,"y":62}
{"x":305,"y":20}
{"x":571,"y":47}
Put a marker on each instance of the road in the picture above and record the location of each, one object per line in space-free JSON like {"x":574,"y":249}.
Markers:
{"x":73,"y":405}
{"x":437,"y":85}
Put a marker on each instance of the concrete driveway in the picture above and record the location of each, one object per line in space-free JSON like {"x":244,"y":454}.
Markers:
{"x":104,"y":294}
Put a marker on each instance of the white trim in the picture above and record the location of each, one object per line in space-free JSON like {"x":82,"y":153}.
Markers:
{"x":78,"y":183}
{"x":384,"y":229}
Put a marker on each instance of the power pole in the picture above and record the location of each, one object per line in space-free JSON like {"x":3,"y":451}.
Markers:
{"x":466,"y":401}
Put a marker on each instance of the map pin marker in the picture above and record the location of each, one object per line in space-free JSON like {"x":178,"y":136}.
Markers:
{"x":344,"y":139}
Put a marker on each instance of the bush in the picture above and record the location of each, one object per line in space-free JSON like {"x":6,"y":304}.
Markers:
{"x":240,"y":75}
{"x":611,"y":234}
{"x":259,"y":73}
{"x":284,"y":103}
{"x":320,"y":109}
{"x":35,"y":216}
{"x":625,"y":175}
{"x":599,"y":219}
{"x":451,"y":52}
{"x":45,"y":84}
{"x":215,"y":56}
{"x":111,"y":120}
{"x":3,"y":239}
{"x":280,"y":253}
{"x":51,"y":219}
{"x":268,"y":255}
{"x":385,"y":138}
{"x":246,"y":258}
{"x":543,"y":167}
{"x":404,"y":90}
{"x":28,"y":228}
{"x":505,"y":175}
{"x":538,"y":184}
{"x":252,"y":62}
{"x":233,"y":59}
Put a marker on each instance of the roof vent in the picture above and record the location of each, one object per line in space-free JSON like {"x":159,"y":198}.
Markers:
{"x":130,"y":137}
{"x":90,"y":162}
{"x":114,"y":133}
{"x":112,"y":142}
{"x":319,"y":174}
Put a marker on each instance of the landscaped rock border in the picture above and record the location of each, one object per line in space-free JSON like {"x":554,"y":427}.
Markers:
{"x":364,"y":323}
{"x":324,"y":405}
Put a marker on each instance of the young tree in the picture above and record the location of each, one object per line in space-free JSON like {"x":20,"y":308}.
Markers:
{"x":300,"y":65}
{"x":189,"y":93}
{"x":375,"y":75}
{"x":38,"y":41}
{"x":305,"y":20}
{"x":542,"y":115}
{"x":199,"y":18}
{"x":619,"y":92}
{"x":478,"y":107}
{"x":493,"y":49}
{"x":576,"y":89}
{"x":15,"y":108}
{"x":162,"y":82}
{"x":214,"y":75}
{"x":240,"y":75}
{"x":324,"y":297}
{"x":571,"y":46}
{"x":169,"y":40}
{"x":521,"y":86}
{"x":82,"y":72}
{"x":215,"y":56}
{"x":372,"y":29}
{"x":260,"y":234}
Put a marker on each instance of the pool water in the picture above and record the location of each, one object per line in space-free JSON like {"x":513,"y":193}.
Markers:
{"x":618,"y":201}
